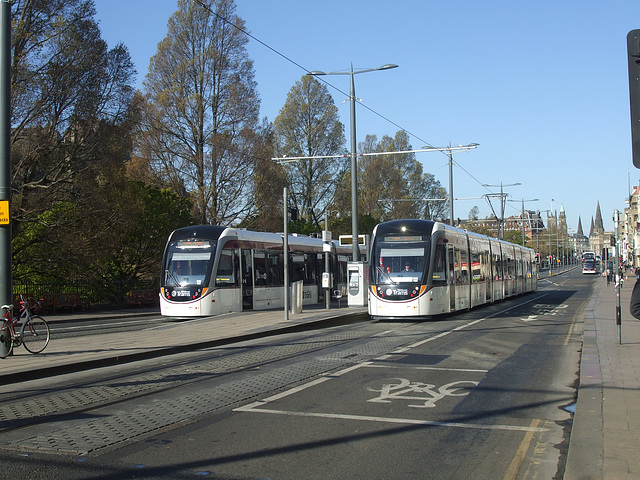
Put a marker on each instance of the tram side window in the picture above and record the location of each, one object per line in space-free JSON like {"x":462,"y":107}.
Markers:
{"x":464,"y":258}
{"x":340,"y":274}
{"x":268,"y":268}
{"x":304,"y":268}
{"x":298,"y":268}
{"x":519,"y":268}
{"x":497,"y":265}
{"x":260,"y":268}
{"x":462,"y":262}
{"x":275,"y":269}
{"x":476,"y":267}
{"x":439,"y":266}
{"x":486,"y":265}
{"x":510,"y":269}
{"x":226,"y":274}
{"x":318,"y":269}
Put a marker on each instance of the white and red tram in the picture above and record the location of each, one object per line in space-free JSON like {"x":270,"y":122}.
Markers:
{"x":209,"y":270}
{"x":422,"y":268}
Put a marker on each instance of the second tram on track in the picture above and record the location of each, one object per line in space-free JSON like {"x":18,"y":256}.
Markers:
{"x":421,"y":268}
{"x":209,"y":270}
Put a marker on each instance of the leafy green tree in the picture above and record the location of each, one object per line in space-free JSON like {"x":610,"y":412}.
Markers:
{"x":201,"y":111}
{"x":392,"y":186}
{"x":131,"y":254}
{"x":513,"y":236}
{"x":308,"y":126}
{"x":121,"y":250}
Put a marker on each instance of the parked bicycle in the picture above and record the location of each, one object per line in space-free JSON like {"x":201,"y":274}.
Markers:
{"x":33,"y":332}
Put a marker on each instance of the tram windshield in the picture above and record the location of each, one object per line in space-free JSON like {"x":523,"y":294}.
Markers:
{"x":188,"y":262}
{"x":401,"y":259}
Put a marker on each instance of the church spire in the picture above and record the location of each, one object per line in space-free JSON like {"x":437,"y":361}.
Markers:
{"x":599,"y":226}
{"x":579,"y":233}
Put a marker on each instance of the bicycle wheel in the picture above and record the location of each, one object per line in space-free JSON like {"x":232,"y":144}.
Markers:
{"x":35,"y":334}
{"x":6,"y":339}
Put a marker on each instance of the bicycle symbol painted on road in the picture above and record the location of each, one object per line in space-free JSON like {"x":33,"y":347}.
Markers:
{"x":424,"y":392}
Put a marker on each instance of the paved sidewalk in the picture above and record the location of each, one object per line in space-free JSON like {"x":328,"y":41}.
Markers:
{"x":605,"y":438}
{"x":80,"y":353}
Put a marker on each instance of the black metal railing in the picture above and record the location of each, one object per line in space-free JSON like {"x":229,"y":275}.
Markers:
{"x":99,"y":293}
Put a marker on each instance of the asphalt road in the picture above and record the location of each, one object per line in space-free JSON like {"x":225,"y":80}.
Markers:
{"x":484,"y":394}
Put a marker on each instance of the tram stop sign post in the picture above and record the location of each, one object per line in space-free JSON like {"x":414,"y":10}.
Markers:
{"x":4,"y":212}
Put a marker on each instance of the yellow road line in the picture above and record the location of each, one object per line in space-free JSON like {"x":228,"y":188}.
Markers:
{"x":512,"y":472}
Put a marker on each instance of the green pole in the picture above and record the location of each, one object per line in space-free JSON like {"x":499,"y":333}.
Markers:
{"x":5,"y":152}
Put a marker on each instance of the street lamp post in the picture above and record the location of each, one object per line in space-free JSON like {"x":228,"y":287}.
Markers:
{"x":354,"y":161}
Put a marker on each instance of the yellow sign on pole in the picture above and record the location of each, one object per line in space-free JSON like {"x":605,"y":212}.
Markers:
{"x":4,"y":212}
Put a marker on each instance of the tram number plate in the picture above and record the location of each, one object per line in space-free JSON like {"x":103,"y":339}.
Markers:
{"x":182,"y":293}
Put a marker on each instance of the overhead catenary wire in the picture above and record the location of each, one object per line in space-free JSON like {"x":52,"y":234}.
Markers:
{"x":307,"y":70}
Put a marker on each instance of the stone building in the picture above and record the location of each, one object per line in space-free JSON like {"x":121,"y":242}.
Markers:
{"x":579,"y":240}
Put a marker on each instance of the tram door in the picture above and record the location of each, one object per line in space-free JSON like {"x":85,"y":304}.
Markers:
{"x":247,"y":279}
{"x":451,"y":261}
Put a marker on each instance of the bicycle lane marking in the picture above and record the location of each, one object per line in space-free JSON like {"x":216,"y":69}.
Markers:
{"x":260,"y":405}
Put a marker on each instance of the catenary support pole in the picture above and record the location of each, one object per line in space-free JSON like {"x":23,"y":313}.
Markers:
{"x":286,"y":255}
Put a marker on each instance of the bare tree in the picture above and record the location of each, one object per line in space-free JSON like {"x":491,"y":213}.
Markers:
{"x":201,"y":111}
{"x":69,"y":93}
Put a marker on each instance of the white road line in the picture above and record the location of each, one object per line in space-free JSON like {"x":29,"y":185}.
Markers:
{"x":422,"y":367}
{"x":256,"y":407}
{"x":466,"y":325}
{"x":407,"y":421}
{"x":312,"y":383}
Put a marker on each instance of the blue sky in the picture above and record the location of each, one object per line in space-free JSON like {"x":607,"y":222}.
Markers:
{"x":541,"y":86}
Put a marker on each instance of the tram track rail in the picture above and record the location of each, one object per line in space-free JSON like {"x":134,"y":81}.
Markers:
{"x":117,"y":408}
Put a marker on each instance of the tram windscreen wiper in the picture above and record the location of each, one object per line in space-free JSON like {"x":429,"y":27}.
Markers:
{"x":170,"y":275}
{"x":385,"y":274}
